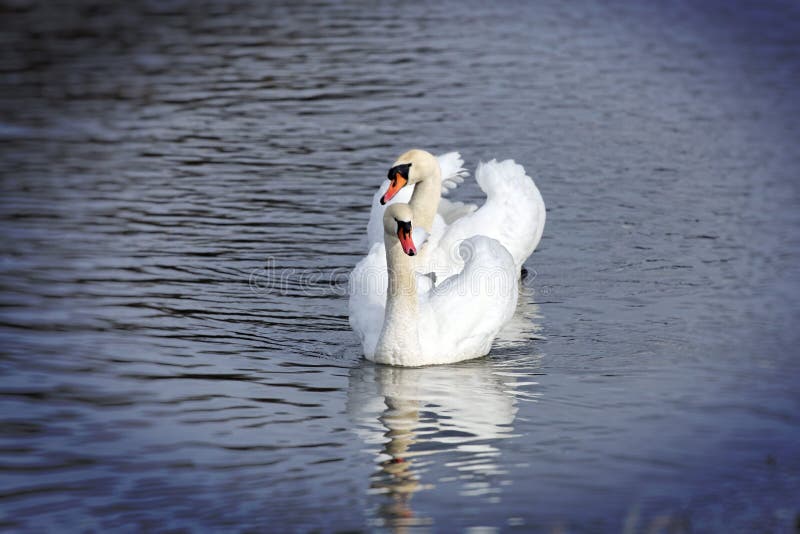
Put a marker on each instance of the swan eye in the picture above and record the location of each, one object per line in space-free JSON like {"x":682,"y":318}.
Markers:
{"x":404,"y":226}
{"x":402,"y":170}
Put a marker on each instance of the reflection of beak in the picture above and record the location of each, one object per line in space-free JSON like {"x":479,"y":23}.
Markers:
{"x":404,"y":234}
{"x":396,"y":185}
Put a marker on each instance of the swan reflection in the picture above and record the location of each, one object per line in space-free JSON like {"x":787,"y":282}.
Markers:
{"x":407,"y":416}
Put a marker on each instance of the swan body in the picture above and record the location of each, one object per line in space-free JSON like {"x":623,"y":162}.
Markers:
{"x":453,"y":321}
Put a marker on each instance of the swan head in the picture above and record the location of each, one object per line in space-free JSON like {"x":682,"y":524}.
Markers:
{"x":397,"y":225}
{"x":412,"y":167}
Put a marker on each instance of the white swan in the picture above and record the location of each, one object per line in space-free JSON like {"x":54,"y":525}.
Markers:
{"x":456,"y":320}
{"x":437,"y":176}
{"x":513,"y":214}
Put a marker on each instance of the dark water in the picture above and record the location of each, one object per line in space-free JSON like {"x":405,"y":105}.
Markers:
{"x":184,"y":188}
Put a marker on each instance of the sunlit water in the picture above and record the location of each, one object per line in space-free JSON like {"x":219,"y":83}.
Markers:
{"x":185,"y":188}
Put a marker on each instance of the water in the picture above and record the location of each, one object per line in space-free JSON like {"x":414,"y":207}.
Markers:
{"x":185,"y":187}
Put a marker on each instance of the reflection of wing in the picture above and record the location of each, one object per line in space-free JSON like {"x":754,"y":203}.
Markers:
{"x":401,"y":413}
{"x":523,"y":326}
{"x":456,"y":403}
{"x":365,"y":404}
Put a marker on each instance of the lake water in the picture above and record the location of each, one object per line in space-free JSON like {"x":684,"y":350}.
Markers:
{"x":185,"y":187}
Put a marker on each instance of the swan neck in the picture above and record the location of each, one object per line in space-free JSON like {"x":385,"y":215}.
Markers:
{"x":425,"y":200}
{"x":399,"y":340}
{"x":402,"y":281}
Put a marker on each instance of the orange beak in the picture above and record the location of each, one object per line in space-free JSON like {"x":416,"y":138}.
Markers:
{"x":397,"y":183}
{"x":404,"y":234}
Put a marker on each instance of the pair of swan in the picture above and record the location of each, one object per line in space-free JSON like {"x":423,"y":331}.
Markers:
{"x":441,"y":277}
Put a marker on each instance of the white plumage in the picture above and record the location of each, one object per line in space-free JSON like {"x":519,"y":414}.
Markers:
{"x":476,"y":255}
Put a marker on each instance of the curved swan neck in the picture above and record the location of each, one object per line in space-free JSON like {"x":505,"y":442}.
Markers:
{"x":425,"y":200}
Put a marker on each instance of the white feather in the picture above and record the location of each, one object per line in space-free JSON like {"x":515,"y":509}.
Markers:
{"x":476,"y":255}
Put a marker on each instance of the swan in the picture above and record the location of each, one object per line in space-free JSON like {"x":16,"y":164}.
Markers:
{"x":513,"y":214}
{"x":436,"y":176}
{"x":456,"y":320}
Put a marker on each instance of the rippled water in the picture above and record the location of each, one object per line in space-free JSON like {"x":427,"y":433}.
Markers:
{"x":185,"y":187}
